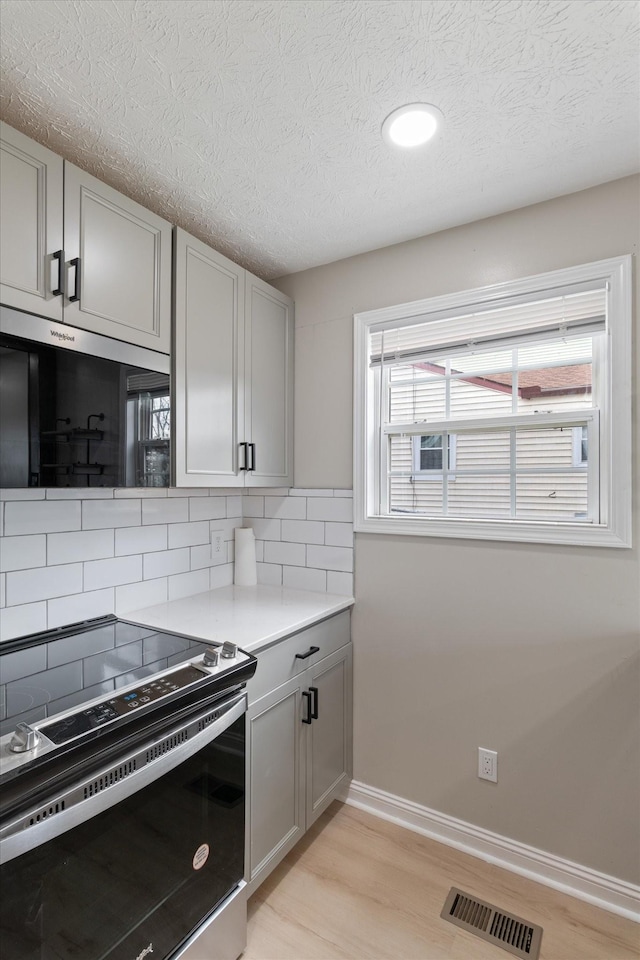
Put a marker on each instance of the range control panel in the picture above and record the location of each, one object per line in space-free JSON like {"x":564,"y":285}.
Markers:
{"x":70,"y":727}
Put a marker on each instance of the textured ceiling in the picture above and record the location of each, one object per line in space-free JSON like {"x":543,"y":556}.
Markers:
{"x":255,"y":124}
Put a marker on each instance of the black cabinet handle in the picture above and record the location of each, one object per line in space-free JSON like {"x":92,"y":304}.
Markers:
{"x":305,"y":656}
{"x":309,"y":716}
{"x":253,"y":456}
{"x":314,"y":708}
{"x":59,"y":290}
{"x":76,"y":289}
{"x":243,"y":447}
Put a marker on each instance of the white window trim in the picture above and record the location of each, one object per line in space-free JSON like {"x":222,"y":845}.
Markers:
{"x":614,"y":528}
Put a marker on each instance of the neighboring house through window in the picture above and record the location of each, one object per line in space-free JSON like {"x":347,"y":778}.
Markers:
{"x":525,"y":386}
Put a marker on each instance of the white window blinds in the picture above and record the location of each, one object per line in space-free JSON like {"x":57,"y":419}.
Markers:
{"x":581,"y":313}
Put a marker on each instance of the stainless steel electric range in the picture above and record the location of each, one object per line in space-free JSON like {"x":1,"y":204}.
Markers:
{"x":122,"y":795}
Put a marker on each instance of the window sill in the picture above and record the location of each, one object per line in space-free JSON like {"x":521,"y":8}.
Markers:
{"x":569,"y":533}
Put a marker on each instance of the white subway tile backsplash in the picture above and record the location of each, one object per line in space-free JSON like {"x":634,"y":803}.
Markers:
{"x":221,"y":576}
{"x":78,"y":546}
{"x":253,"y":506}
{"x":111,"y":573}
{"x":141,"y":539}
{"x":131,"y":596}
{"x":303,"y":531}
{"x":186,"y":584}
{"x":338,"y":534}
{"x":335,"y":508}
{"x":42,"y":583}
{"x":341,"y":583}
{"x":28,"y":493}
{"x":165,"y":563}
{"x":82,"y":606}
{"x":20,"y":553}
{"x":330,"y":558}
{"x":166,"y":511}
{"x":286,"y":508}
{"x":304,"y":578}
{"x":294,"y":554}
{"x":265,"y":529}
{"x":140,"y":493}
{"x":269,"y":574}
{"x":228,"y":526}
{"x":209,"y":508}
{"x":234,"y":506}
{"x":80,"y":493}
{"x":98,"y":542}
{"x":43,"y":516}
{"x":28,"y":618}
{"x":270,"y":491}
{"x":99,"y":514}
{"x":202,"y":558}
{"x":188,"y":534}
{"x":3,"y":590}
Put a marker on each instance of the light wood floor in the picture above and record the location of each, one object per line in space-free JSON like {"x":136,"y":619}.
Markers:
{"x":359,"y":888}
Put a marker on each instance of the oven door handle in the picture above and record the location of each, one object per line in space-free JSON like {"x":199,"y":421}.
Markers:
{"x":118,"y":780}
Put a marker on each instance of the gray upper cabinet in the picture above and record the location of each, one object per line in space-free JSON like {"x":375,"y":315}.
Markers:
{"x":31,"y":239}
{"x":119,"y":264}
{"x":108,"y":272}
{"x":233,"y":373}
{"x":268,"y":384}
{"x":207,"y":402}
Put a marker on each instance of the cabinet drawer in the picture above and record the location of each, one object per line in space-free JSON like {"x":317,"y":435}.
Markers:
{"x":278,"y":663}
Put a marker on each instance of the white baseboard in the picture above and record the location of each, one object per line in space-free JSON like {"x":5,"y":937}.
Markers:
{"x":604,"y":891}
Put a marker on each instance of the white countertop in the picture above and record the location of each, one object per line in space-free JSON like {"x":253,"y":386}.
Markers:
{"x":252,"y":617}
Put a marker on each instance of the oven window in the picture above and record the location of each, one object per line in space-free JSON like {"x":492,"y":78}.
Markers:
{"x":142,"y":874}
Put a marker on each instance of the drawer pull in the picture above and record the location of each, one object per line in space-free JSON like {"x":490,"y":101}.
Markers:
{"x":307,"y":695}
{"x":305,"y":656}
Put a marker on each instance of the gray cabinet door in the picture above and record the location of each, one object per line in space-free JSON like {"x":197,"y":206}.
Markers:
{"x":208,"y":378}
{"x":269,"y":384}
{"x":329,"y":745}
{"x":31,"y":225}
{"x":118,"y":264}
{"x":275,"y":820}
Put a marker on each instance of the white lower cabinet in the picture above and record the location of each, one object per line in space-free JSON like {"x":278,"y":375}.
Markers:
{"x":299,"y":733}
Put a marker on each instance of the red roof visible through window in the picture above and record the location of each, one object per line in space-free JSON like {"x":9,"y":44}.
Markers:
{"x":545,"y":382}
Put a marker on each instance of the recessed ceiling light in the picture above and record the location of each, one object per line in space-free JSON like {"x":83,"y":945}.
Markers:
{"x":411,"y":125}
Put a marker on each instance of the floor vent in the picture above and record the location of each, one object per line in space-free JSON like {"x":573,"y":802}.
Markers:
{"x":515,"y":935}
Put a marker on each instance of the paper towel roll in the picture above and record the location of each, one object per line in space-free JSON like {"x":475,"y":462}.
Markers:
{"x":245,"y":574}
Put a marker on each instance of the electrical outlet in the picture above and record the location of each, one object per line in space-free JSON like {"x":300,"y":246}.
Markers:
{"x":217,"y":545}
{"x":488,"y":764}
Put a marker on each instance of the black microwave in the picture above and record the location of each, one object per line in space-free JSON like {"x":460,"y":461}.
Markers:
{"x":80,"y":410}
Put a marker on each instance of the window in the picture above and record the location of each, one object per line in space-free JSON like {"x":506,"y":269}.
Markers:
{"x":580,"y":446}
{"x":427,"y":455}
{"x":526,"y":387}
{"x":149,"y":433}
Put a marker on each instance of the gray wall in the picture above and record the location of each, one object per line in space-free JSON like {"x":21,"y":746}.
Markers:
{"x":531,"y":650}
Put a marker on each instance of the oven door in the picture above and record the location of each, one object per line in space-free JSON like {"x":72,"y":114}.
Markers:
{"x":130,"y":861}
